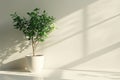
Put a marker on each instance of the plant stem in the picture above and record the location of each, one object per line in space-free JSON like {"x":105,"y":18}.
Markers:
{"x":33,"y":47}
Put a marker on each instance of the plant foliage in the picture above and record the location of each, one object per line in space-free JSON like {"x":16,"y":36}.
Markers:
{"x":36,"y":27}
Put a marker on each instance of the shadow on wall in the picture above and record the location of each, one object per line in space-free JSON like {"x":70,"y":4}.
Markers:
{"x":87,"y":57}
{"x":84,"y":32}
{"x":11,"y":42}
{"x":93,"y":55}
{"x":72,"y":33}
{"x":16,"y":65}
{"x":63,"y":8}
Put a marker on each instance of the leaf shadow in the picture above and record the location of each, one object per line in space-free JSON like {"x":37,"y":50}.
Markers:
{"x":12,"y":42}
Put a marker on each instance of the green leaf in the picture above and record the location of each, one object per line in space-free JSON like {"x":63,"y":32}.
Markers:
{"x":37,"y":26}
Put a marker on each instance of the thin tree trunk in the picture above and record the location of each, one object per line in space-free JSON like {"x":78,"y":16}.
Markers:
{"x":33,"y":47}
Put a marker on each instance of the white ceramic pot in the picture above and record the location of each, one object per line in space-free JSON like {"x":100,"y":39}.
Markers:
{"x":35,"y":63}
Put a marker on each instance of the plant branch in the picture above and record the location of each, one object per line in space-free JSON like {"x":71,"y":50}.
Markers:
{"x":33,"y":47}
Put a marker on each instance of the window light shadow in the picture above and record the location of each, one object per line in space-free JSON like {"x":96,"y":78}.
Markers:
{"x":93,"y":55}
{"x":87,"y":57}
{"x":48,"y":43}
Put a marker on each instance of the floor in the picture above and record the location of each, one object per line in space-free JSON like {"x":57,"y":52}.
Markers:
{"x":60,"y":75}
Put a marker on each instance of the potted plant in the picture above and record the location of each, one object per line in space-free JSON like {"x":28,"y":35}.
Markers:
{"x":36,"y":28}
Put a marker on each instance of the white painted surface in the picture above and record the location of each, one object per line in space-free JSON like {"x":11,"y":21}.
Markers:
{"x":87,"y":37}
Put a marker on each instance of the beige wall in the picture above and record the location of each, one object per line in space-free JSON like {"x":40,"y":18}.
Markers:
{"x":87,"y":37}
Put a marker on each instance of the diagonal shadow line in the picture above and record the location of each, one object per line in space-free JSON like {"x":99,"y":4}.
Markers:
{"x":92,"y":55}
{"x":88,"y":58}
{"x":81,"y":31}
{"x":108,"y":19}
